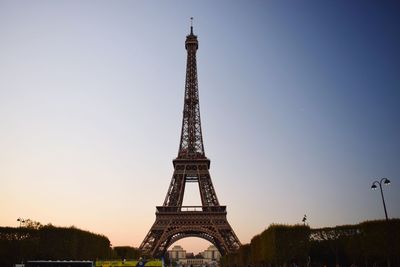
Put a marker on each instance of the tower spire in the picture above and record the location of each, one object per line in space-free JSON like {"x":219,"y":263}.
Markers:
{"x":191,"y":25}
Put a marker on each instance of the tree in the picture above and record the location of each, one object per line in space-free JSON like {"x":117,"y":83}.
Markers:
{"x":125,"y":252}
{"x":334,"y":238}
{"x":50,"y":242}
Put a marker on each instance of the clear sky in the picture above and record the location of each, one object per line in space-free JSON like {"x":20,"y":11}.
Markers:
{"x":299,"y":105}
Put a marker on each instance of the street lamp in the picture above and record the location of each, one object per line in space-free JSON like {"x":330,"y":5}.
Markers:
{"x":385,"y":181}
{"x":21,"y":221}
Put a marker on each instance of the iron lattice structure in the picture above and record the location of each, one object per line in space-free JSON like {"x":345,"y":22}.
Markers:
{"x":174,"y":221}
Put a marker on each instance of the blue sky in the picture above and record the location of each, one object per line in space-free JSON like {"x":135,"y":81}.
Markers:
{"x":299,"y":106}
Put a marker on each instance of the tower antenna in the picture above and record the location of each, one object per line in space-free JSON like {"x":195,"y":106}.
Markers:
{"x":191,"y":25}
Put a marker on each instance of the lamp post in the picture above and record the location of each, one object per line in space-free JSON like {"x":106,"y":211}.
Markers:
{"x":20,"y":220}
{"x":385,"y":181}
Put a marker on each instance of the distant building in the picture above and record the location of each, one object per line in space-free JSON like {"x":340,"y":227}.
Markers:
{"x":192,"y":262}
{"x":209,"y":257}
{"x":211,"y":254}
{"x":177,"y":253}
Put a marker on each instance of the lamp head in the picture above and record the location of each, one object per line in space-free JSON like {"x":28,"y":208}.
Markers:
{"x":373,"y":187}
{"x":386,"y":181}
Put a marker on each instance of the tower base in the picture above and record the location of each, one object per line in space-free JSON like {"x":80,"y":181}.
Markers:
{"x":174,"y":223}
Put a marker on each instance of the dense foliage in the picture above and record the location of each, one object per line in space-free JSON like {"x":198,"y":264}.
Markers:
{"x":364,"y":244}
{"x":50,"y":243}
{"x":278,"y":245}
{"x":125,"y":252}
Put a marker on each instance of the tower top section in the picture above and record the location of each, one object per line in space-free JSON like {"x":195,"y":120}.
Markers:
{"x":191,"y":143}
{"x":191,"y":39}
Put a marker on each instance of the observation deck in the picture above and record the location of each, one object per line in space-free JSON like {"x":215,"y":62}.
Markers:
{"x":191,"y":209}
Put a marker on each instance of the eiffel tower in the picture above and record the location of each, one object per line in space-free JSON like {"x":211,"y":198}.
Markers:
{"x":174,"y":221}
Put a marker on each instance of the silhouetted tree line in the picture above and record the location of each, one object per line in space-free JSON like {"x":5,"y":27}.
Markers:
{"x":125,"y":252}
{"x":48,"y":242}
{"x":371,"y":243}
